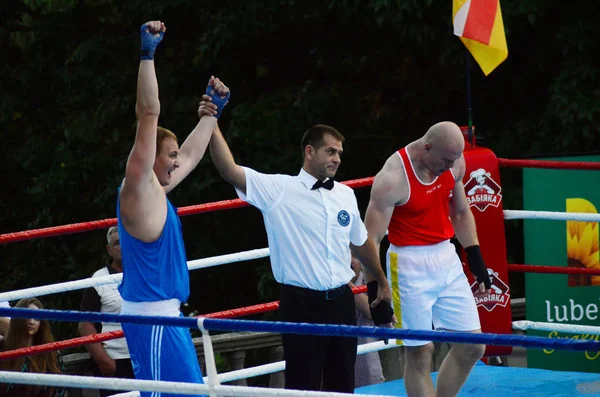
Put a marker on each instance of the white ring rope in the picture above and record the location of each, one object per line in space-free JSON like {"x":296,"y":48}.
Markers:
{"x":253,"y":254}
{"x":213,"y":387}
{"x":552,"y":216}
{"x":116,"y":278}
{"x":278,"y":366}
{"x":89,"y":382}
{"x":525,"y":325}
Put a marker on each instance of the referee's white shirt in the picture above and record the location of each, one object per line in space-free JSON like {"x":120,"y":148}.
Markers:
{"x":309,"y":231}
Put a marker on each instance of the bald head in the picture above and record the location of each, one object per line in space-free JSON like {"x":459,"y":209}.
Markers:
{"x":446,"y":135}
{"x":441,"y":146}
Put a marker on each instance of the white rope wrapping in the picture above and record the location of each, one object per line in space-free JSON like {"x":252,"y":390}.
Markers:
{"x":525,"y":325}
{"x":552,"y":216}
{"x":88,"y":382}
{"x":116,"y":278}
{"x":279,"y":366}
{"x":209,"y":356}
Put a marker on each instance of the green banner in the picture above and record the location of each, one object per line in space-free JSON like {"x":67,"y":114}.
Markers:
{"x":562,"y":299}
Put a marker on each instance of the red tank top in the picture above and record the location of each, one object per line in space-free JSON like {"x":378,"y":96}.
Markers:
{"x":424,"y":219}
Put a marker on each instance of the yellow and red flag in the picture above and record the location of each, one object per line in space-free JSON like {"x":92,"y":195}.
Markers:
{"x":478,"y":24}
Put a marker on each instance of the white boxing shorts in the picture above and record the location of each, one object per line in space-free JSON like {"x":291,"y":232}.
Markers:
{"x":430,"y":289}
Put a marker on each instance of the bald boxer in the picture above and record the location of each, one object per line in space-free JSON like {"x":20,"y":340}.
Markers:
{"x":419,"y":196}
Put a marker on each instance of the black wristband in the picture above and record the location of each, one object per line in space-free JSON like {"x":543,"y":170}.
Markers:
{"x":477,"y":266}
{"x":383,"y":312}
{"x":146,"y":55}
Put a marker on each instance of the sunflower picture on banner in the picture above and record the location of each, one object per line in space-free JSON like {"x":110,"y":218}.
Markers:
{"x":582,"y":243}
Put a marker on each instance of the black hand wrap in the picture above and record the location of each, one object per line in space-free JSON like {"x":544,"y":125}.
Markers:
{"x":475,"y":261}
{"x":382,"y":313}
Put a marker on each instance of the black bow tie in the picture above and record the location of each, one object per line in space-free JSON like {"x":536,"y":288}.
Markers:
{"x":328,"y":184}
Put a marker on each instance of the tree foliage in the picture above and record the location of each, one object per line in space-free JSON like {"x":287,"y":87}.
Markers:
{"x":381,"y":71}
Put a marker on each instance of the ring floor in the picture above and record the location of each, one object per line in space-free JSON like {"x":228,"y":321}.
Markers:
{"x":492,"y":381}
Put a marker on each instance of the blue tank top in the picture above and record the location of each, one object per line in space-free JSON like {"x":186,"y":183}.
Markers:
{"x":158,"y":270}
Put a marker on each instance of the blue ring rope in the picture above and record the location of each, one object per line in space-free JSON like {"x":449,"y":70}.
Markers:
{"x":309,"y":329}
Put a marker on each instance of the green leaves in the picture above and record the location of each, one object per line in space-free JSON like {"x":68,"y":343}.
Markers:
{"x":380,"y":71}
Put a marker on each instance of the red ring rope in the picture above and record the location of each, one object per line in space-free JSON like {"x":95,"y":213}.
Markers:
{"x":237,"y":203}
{"x":106,"y":223}
{"x":85,"y":340}
{"x":246,"y":311}
{"x":565,"y":165}
{"x":553,"y":269}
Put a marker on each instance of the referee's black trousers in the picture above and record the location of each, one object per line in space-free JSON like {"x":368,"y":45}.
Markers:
{"x":318,"y":362}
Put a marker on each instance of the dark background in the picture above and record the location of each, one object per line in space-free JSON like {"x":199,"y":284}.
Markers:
{"x":380,"y":71}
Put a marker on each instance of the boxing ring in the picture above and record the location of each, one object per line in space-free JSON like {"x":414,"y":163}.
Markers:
{"x":497,"y":326}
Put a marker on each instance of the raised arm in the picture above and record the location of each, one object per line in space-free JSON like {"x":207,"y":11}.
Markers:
{"x":219,"y":150}
{"x":143,"y":207}
{"x":225,"y":162}
{"x":138,"y":171}
{"x":194,"y":147}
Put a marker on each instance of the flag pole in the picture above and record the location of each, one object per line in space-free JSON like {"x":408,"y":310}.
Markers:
{"x":469,"y":103}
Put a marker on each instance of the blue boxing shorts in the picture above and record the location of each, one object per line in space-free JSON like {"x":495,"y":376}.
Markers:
{"x":159,"y":352}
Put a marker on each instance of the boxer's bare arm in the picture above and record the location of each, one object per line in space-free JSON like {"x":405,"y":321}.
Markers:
{"x":460,"y":212}
{"x":195,"y":145}
{"x":461,"y":216}
{"x":389,"y":189}
{"x":142,"y":198}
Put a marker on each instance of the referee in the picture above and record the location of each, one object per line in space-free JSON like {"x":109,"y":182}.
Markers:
{"x":312,"y":224}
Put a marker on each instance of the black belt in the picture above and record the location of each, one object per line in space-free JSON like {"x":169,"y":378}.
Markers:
{"x":329,"y":294}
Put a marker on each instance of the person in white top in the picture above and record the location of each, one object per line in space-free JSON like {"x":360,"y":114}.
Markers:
{"x":313,"y":224}
{"x":112,"y":356}
{"x":4,"y":322}
{"x":368,"y":370}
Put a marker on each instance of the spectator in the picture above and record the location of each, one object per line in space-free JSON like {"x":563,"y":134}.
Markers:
{"x":111,"y":356}
{"x":26,"y":333}
{"x":367,"y":370}
{"x":4,"y":322}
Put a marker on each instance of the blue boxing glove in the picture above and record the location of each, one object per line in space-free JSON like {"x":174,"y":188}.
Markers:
{"x":149,"y":42}
{"x":217,"y":100}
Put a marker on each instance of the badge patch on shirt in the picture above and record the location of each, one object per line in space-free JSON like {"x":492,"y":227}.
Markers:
{"x":343,"y":218}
